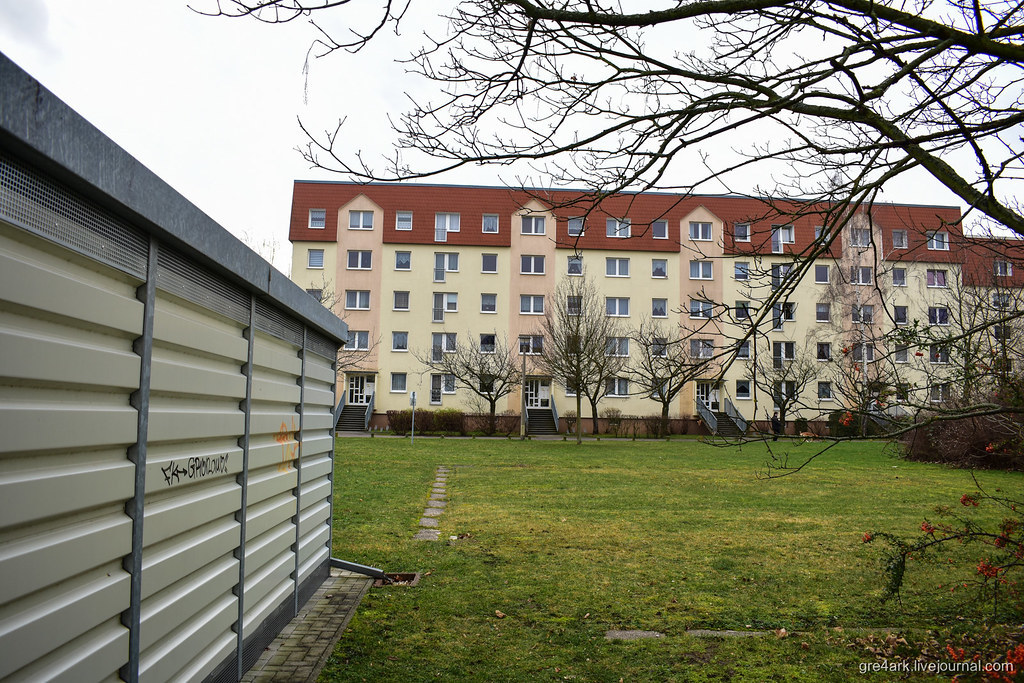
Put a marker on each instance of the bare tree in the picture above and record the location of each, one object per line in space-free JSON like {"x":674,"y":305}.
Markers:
{"x":490,"y":370}
{"x":785,"y":374}
{"x":578,"y":344}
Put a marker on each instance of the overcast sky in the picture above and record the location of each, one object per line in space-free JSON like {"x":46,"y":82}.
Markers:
{"x":211,"y":105}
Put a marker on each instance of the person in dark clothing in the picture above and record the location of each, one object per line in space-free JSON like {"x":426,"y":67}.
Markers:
{"x":776,"y":427}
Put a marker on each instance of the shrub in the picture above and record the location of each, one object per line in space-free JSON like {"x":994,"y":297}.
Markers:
{"x":800,"y":424}
{"x":506,"y":423}
{"x":449,"y":421}
{"x":656,"y":426}
{"x":570,"y":421}
{"x":614,"y":417}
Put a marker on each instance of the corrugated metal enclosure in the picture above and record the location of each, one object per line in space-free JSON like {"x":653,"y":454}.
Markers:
{"x":166,"y":414}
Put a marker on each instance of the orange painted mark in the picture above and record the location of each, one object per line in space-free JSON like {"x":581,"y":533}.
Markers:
{"x":289,"y":446}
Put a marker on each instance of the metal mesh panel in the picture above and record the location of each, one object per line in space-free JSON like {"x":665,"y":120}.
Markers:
{"x":321,"y":345}
{"x":179,"y":276}
{"x":38,"y":204}
{"x":277,"y":324}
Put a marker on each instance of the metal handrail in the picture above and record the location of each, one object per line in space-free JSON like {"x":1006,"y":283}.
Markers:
{"x":706,"y":415}
{"x":734,"y":414}
{"x":340,"y":407}
{"x":554,"y":411}
{"x":369,"y":411}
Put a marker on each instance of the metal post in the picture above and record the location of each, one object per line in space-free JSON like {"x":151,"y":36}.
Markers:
{"x":412,"y":429}
{"x":522,"y":402}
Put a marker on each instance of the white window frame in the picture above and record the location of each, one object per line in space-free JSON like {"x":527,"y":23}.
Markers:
{"x":617,"y":347}
{"x":357,"y":294}
{"x":900,"y":315}
{"x":616,"y":387}
{"x":489,"y":218}
{"x":616,"y":267}
{"x":317,"y":216}
{"x":444,"y":223}
{"x":863,"y":314}
{"x":618,"y":228}
{"x":701,"y":231}
{"x":899,"y":239}
{"x":620,"y":303}
{"x":569,"y":266}
{"x":483,"y":263}
{"x":901,"y":354}
{"x":862,"y":352}
{"x":535,"y":223}
{"x":361,"y":340}
{"x":702,"y":348}
{"x":483,"y":300}
{"x":901,"y":279}
{"x":823,"y":357}
{"x":394,"y":342}
{"x":828,"y":274}
{"x":743,"y":349}
{"x":741,"y":232}
{"x":740,"y":393}
{"x":664,"y":268}
{"x":575,"y":226}
{"x":860,"y":237}
{"x":403,"y":220}
{"x":534,"y":259}
{"x":533,"y":348}
{"x":827,"y":386}
{"x":741,"y":267}
{"x":405,"y":382}
{"x":932,"y":276}
{"x":703,"y":310}
{"x":659,"y":230}
{"x":938,"y":354}
{"x":818,"y":311}
{"x":359,"y":254}
{"x":493,"y":344}
{"x":359,"y":224}
{"x":530,"y":301}
{"x":663,"y":315}
{"x":310,"y":260}
{"x":409,"y":255}
{"x":938,"y":240}
{"x":938,"y":315}
{"x":857,"y":274}
{"x":1005,"y":271}
{"x":705,"y":270}
{"x":394,"y":300}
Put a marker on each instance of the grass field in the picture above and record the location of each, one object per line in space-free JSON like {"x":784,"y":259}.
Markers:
{"x":568,"y":542}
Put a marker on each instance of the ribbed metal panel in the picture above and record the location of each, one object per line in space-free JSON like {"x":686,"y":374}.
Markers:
{"x":321,"y":345}
{"x":278,"y":324}
{"x":180,"y":276}
{"x":33,"y":202}
{"x":192,"y":497}
{"x":66,"y":373}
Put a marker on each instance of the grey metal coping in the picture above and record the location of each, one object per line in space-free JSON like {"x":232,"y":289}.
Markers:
{"x":44,"y":131}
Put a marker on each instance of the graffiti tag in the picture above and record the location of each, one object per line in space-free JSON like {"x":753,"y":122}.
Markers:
{"x":289,"y":446}
{"x":194,"y":468}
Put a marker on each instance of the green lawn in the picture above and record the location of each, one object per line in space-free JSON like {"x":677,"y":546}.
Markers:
{"x":571,"y":541}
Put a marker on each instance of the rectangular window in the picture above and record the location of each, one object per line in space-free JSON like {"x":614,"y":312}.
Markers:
{"x":864,"y":352}
{"x":899,"y":277}
{"x":398,"y":382}
{"x":1001,"y":300}
{"x":1003,"y":269}
{"x":575,"y":227}
{"x":441,"y":343}
{"x":488,"y":263}
{"x":743,"y":349}
{"x":616,"y":267}
{"x":784,"y":312}
{"x":701,"y":309}
{"x":822,"y":312}
{"x":936,"y":278}
{"x":490,"y":223}
{"x":821,"y":275}
{"x":403,"y":220}
{"x":531,"y":304}
{"x":938,"y":315}
{"x":399,"y":341}
{"x":445,"y":263}
{"x":901,"y":355}
{"x":938,"y":393}
{"x":824,"y":391}
{"x":445,"y":223}
{"x":317,"y":294}
{"x":938,"y":241}
{"x":860,"y":237}
{"x":938,"y":354}
{"x":359,"y":260}
{"x":403,"y":260}
{"x":780,"y":272}
{"x":899,"y":239}
{"x":783,"y":352}
{"x":781,"y":234}
{"x":360,"y":220}
{"x":487,"y":343}
{"x":741,"y":232}
{"x":659,"y":230}
{"x":532,"y":225}
{"x":700,"y":231}
{"x":743,"y":389}
{"x":317,"y":219}
{"x":358,"y":340}
{"x":899,"y":315}
{"x":315,"y":258}
{"x":742,"y":310}
{"x":659,"y":308}
{"x":573,"y":305}
{"x":617,"y":346}
{"x":863,"y":314}
{"x":700,"y":270}
{"x":659,"y":268}
{"x":616,"y":386}
{"x":531,"y":345}
{"x":488,"y":303}
{"x":659,"y":347}
{"x":702,"y":348}
{"x":824,"y":351}
{"x":861,"y":275}
{"x":357,"y":300}
{"x":617,"y":306}
{"x":741,"y":270}
{"x":401,"y":301}
{"x":531,"y":265}
{"x":448,"y":384}
{"x":575,"y":265}
{"x":617,"y":227}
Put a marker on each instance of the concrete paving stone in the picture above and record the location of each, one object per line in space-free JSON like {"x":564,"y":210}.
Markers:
{"x":632,"y":635}
{"x":437,"y":496}
{"x":427,"y":535}
{"x":432,"y":512}
{"x":428,"y":522}
{"x":437,"y":504}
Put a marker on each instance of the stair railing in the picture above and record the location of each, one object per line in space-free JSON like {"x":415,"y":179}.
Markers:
{"x":526,"y":419}
{"x":554,"y":412}
{"x":705,"y":414}
{"x":339,"y":408}
{"x":735,"y":416}
{"x":369,"y":411}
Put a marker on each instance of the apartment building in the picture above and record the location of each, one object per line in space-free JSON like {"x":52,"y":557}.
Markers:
{"x":771,"y":316}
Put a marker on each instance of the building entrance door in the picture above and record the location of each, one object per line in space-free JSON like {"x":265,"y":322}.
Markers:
{"x":707,"y":393}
